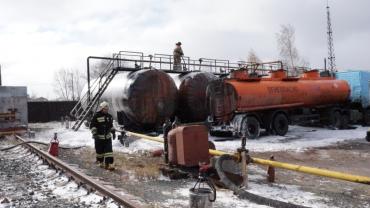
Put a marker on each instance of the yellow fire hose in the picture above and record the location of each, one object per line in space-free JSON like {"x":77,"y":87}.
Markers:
{"x":287,"y":166}
{"x":156,"y":139}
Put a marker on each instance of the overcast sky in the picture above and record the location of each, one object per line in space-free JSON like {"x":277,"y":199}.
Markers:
{"x":38,"y":37}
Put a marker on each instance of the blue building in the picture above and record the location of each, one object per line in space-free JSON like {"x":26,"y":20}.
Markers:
{"x":359,"y":82}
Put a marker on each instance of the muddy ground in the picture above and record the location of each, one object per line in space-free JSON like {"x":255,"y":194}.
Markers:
{"x":138,"y":173}
{"x":349,"y":157}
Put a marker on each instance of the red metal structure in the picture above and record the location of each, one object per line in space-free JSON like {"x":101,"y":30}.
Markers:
{"x":54,"y":146}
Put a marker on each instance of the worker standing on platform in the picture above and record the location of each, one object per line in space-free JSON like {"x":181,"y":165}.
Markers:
{"x":177,"y":55}
{"x":102,"y":131}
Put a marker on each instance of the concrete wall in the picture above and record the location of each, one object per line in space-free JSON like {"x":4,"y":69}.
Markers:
{"x":13,"y":99}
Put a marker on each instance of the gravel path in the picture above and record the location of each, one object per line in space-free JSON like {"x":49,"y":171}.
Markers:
{"x":26,"y":182}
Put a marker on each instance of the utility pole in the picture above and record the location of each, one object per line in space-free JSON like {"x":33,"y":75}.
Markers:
{"x":331,"y":56}
{"x":1,"y":84}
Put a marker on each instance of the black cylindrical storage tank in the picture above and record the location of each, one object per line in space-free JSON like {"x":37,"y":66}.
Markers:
{"x":143,"y":99}
{"x":192,"y":95}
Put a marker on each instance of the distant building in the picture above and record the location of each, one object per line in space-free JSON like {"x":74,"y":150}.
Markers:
{"x":13,"y":109}
{"x":38,"y":99}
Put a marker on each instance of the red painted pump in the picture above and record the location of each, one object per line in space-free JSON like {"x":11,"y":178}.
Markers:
{"x":54,"y":146}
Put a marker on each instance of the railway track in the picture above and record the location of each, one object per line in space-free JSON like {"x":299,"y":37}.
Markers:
{"x":80,"y":178}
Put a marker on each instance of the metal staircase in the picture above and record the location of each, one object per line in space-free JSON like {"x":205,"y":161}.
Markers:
{"x":89,"y":100}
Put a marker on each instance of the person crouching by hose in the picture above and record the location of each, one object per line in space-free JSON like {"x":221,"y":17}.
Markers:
{"x":102,"y":132}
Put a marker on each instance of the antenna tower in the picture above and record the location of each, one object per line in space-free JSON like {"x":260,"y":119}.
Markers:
{"x":331,"y":56}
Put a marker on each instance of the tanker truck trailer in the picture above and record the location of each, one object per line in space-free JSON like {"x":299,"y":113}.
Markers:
{"x":243,"y":105}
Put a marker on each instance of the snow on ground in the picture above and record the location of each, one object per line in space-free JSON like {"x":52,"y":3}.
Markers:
{"x":288,"y":193}
{"x":225,"y":198}
{"x":82,"y":137}
{"x":256,"y":185}
{"x":298,"y":138}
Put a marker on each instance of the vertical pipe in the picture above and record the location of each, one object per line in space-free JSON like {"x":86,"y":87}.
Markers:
{"x":244,"y":169}
{"x":73,"y":90}
{"x":170,"y":62}
{"x":160,"y":63}
{"x":243,"y":154}
{"x":215,"y":66}
{"x":88,"y":79}
{"x":271,"y":172}
{"x":0,"y":77}
{"x":189,"y":63}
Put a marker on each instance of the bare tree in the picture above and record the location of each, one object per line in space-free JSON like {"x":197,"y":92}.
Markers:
{"x":252,"y":57}
{"x":288,"y":51}
{"x":99,"y":67}
{"x":68,"y":84}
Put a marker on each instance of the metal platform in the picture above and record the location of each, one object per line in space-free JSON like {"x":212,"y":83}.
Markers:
{"x":134,"y":61}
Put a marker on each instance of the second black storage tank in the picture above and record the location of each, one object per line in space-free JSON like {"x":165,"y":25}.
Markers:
{"x":192,"y":95}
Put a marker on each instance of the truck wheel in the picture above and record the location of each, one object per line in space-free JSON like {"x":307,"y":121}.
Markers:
{"x":366,"y":117}
{"x":251,"y":127}
{"x":336,"y":120}
{"x":280,"y":124}
{"x":344,"y":121}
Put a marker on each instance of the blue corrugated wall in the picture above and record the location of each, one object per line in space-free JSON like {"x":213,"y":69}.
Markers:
{"x":359,"y":82}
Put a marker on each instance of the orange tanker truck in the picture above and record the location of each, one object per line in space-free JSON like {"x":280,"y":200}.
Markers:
{"x":245,"y":103}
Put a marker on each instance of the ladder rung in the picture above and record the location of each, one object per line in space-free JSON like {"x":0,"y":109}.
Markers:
{"x":80,"y":113}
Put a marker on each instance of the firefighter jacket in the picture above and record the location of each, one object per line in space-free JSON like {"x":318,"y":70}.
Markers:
{"x":102,"y":125}
{"x":177,"y":52}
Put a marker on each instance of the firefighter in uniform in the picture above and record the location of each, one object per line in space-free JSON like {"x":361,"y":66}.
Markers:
{"x":102,"y":132}
{"x":177,"y":54}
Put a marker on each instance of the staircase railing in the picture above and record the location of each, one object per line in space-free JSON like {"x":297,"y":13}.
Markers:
{"x":89,"y":100}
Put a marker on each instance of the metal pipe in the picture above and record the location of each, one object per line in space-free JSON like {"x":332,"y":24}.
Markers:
{"x":303,"y":169}
{"x":287,"y":166}
{"x":156,"y":139}
{"x":315,"y":171}
{"x":88,"y":78}
{"x":244,"y":169}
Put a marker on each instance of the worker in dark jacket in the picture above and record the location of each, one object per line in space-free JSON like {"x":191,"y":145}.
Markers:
{"x":102,"y":131}
{"x":177,"y":54}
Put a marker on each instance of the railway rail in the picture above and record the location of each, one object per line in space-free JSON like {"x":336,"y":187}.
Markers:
{"x":80,"y":178}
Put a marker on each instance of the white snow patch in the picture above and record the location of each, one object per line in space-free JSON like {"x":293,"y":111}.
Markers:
{"x":82,"y":137}
{"x":225,"y":198}
{"x":298,"y":138}
{"x":91,"y":198}
{"x":70,"y":190}
{"x":138,"y":145}
{"x":288,"y":193}
{"x":163,"y":178}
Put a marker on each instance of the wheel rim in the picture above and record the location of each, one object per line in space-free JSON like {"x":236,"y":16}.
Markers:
{"x":280,"y":124}
{"x":252,"y":127}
